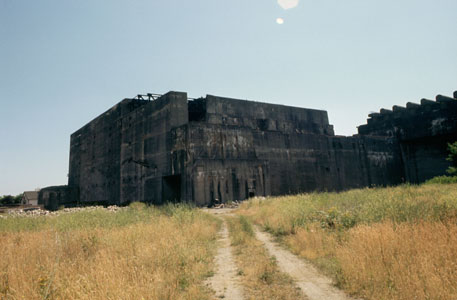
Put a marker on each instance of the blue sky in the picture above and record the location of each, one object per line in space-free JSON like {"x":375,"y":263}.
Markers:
{"x":64,"y":62}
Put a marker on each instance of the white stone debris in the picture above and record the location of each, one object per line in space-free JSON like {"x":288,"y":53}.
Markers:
{"x":36,"y":212}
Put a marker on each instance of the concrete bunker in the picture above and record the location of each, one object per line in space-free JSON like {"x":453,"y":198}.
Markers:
{"x":169,"y":148}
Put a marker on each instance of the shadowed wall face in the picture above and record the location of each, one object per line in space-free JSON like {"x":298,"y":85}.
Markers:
{"x":122,"y":155}
{"x":146,"y":157}
{"x":95,"y":155}
{"x":238,"y":149}
{"x":263,"y":163}
{"x":422,"y":132}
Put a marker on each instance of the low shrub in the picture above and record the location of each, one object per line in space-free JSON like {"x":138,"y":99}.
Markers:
{"x":442,"y":180}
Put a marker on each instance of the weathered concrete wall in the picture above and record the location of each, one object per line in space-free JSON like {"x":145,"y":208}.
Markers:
{"x":422,"y":132}
{"x":122,"y":155}
{"x":264,"y":116}
{"x":220,"y":164}
{"x":214,"y":149}
{"x":54,"y":196}
{"x":95,"y":155}
{"x":146,"y":149}
{"x":246,"y":162}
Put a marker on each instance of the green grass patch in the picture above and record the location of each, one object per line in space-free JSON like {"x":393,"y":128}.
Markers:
{"x":339,"y":211}
{"x":99,"y":218}
{"x":442,"y":180}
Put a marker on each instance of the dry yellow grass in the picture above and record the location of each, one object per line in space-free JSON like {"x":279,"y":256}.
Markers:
{"x":259,"y":272}
{"x":164,"y":258}
{"x":318,"y":246}
{"x":401,"y":261}
{"x":392,"y":243}
{"x":386,"y":260}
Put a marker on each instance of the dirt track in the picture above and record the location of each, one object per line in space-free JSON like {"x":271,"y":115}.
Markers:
{"x":226,"y":284}
{"x":313,"y":284}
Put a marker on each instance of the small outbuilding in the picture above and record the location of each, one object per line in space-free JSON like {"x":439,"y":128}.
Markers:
{"x":30,"y":198}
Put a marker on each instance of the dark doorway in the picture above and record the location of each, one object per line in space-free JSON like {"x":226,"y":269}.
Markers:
{"x":250,"y":188}
{"x":171,"y":188}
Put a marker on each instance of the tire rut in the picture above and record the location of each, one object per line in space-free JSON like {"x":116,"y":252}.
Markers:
{"x":313,"y":284}
{"x":225,"y":282}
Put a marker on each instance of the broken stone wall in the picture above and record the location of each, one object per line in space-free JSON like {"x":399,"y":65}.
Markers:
{"x":422,"y":132}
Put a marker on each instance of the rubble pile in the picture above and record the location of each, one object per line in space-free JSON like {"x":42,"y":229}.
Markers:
{"x":232,"y":204}
{"x":36,"y":212}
